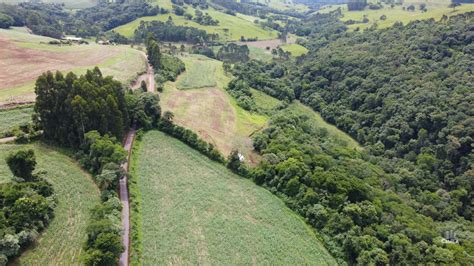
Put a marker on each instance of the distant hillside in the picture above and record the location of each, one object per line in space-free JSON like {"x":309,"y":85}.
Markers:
{"x":73,"y":4}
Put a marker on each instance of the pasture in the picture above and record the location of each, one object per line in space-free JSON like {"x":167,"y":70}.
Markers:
{"x":61,"y":243}
{"x":11,"y":118}
{"x":26,"y":56}
{"x":229,"y":28}
{"x":435,"y":9}
{"x":210,"y":111}
{"x":295,"y":49}
{"x":196,"y":212}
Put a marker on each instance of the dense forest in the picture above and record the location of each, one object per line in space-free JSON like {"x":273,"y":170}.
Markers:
{"x":405,"y":93}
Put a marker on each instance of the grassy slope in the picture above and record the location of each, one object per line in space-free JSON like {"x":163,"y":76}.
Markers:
{"x":237,"y":26}
{"x":197,"y":212}
{"x":210,"y":111}
{"x":436,"y":9}
{"x":61,"y":242}
{"x":10,"y":118}
{"x":123,"y":65}
{"x":333,"y":131}
{"x":294,"y":49}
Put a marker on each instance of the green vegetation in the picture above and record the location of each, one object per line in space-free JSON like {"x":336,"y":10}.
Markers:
{"x":264,"y":101}
{"x":434,"y":9}
{"x":294,"y":49}
{"x":14,"y":117}
{"x":194,"y":203}
{"x":408,"y":102}
{"x":200,"y":73}
{"x":62,"y":241}
{"x":229,"y":28}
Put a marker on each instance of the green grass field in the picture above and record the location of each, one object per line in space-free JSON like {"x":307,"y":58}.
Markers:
{"x":200,"y":73}
{"x":264,"y":101}
{"x":9,"y":118}
{"x":229,"y":28}
{"x":61,"y":242}
{"x":294,"y":49}
{"x":436,"y":9}
{"x":333,"y":132}
{"x":196,"y":212}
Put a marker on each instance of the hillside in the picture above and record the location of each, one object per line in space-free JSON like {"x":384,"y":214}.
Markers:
{"x":26,"y":56}
{"x":61,"y":243}
{"x":195,"y":211}
{"x":199,"y":102}
{"x":71,"y":4}
{"x":434,"y":9}
{"x":229,"y":28}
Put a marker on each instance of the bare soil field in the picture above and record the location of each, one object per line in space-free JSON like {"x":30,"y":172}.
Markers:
{"x":24,"y":57}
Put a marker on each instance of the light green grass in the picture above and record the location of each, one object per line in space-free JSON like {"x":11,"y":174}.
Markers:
{"x":263,"y":100}
{"x":61,"y":243}
{"x":196,"y":212}
{"x":10,"y":118}
{"x":260,"y":53}
{"x":200,"y":73}
{"x":229,"y":28}
{"x":333,"y":132}
{"x":294,"y":49}
{"x":283,"y":5}
{"x":436,"y":9}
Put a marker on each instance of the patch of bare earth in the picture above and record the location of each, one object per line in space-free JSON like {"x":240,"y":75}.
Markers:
{"x":20,"y":65}
{"x":263,"y":44}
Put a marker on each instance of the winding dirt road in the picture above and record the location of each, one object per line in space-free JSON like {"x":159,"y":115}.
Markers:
{"x":148,"y":77}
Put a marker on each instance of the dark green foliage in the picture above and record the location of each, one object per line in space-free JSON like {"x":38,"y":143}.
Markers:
{"x":171,"y":67}
{"x":204,"y":19}
{"x":53,"y":20}
{"x":26,"y":205}
{"x":404,"y":92}
{"x":171,"y":33}
{"x":153,"y":52}
{"x":240,"y":90}
{"x":5,"y":21}
{"x":356,"y":4}
{"x":233,"y":53}
{"x":342,"y":195}
{"x":144,"y":109}
{"x":68,"y":107}
{"x":189,"y":137}
{"x":22,"y":164}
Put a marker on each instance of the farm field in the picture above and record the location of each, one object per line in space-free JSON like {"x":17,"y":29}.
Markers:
{"x":436,"y":9}
{"x":61,"y":242}
{"x":229,"y":28}
{"x":263,"y":100}
{"x":9,"y":118}
{"x":195,"y":211}
{"x":26,"y":56}
{"x":210,"y":111}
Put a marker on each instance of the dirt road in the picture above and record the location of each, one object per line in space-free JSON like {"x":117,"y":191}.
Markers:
{"x":148,"y":77}
{"x":125,"y":200}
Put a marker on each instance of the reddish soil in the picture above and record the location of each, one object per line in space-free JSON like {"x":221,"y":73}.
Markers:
{"x":20,"y":65}
{"x":263,"y":44}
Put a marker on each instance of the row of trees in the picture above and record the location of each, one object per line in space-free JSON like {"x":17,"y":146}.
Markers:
{"x":26,"y":205}
{"x":169,"y":32}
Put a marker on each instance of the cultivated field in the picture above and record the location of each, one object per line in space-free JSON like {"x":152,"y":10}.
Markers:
{"x":61,"y":242}
{"x":435,"y":9}
{"x":210,"y":111}
{"x":229,"y":28}
{"x":26,"y":56}
{"x":10,"y":118}
{"x":196,"y":212}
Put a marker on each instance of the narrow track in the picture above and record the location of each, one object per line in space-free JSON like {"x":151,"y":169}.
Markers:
{"x":124,"y":258}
